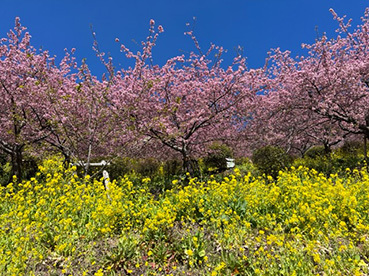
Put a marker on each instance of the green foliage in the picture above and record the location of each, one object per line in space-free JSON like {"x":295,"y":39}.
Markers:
{"x":216,"y":158}
{"x":316,"y":152}
{"x":123,"y":253}
{"x":316,"y":158}
{"x":146,"y":167}
{"x":245,"y":166}
{"x":120,"y":167}
{"x":269,"y":160}
{"x":321,"y":164}
{"x":161,"y":174}
{"x":5,"y":170}
{"x":172,"y":167}
{"x":349,"y":156}
{"x":30,"y":167}
{"x":193,"y":248}
{"x":352,"y":148}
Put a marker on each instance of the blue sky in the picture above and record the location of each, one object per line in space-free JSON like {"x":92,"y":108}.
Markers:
{"x":255,"y":25}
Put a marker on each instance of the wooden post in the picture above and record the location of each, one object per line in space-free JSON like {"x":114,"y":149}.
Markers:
{"x":106,"y":183}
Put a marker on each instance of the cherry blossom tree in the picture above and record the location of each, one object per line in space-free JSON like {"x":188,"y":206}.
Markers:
{"x":24,"y":80}
{"x":83,"y":126}
{"x":186,"y":103}
{"x":80,"y":119}
{"x":323,"y":95}
{"x":284,"y":118}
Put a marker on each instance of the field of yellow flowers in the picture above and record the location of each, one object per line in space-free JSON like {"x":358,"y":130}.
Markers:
{"x":301,"y":224}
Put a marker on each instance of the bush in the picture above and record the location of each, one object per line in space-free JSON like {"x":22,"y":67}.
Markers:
{"x":246,"y":166}
{"x":172,"y":167}
{"x":320,"y":163}
{"x":316,"y":152}
{"x":269,"y":160}
{"x":216,"y":158}
{"x":148,"y":167}
{"x":352,"y":148}
{"x":120,"y":166}
{"x":5,"y":170}
{"x":30,"y":166}
{"x":317,"y":158}
{"x":160,"y":173}
{"x":348,"y":156}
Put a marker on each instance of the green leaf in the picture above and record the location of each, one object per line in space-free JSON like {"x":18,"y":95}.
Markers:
{"x":202,"y":253}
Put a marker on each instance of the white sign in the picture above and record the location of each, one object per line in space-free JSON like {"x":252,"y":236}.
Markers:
{"x":230,"y":163}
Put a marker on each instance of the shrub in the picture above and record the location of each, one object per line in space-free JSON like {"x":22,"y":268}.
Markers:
{"x":320,"y":163}
{"x":172,"y":167}
{"x":317,"y":158}
{"x":120,"y":166}
{"x":348,"y":156}
{"x":216,"y":158}
{"x":246,"y":166}
{"x":316,"y":152}
{"x":5,"y":169}
{"x":148,"y":167}
{"x":30,"y":166}
{"x":352,"y":148}
{"x":269,"y":160}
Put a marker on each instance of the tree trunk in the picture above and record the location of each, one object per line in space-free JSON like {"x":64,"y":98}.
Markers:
{"x":186,"y":163}
{"x":327,"y":149}
{"x":17,"y":162}
{"x":365,"y":153}
{"x":190,"y":165}
{"x":87,"y":166}
{"x":67,"y":160}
